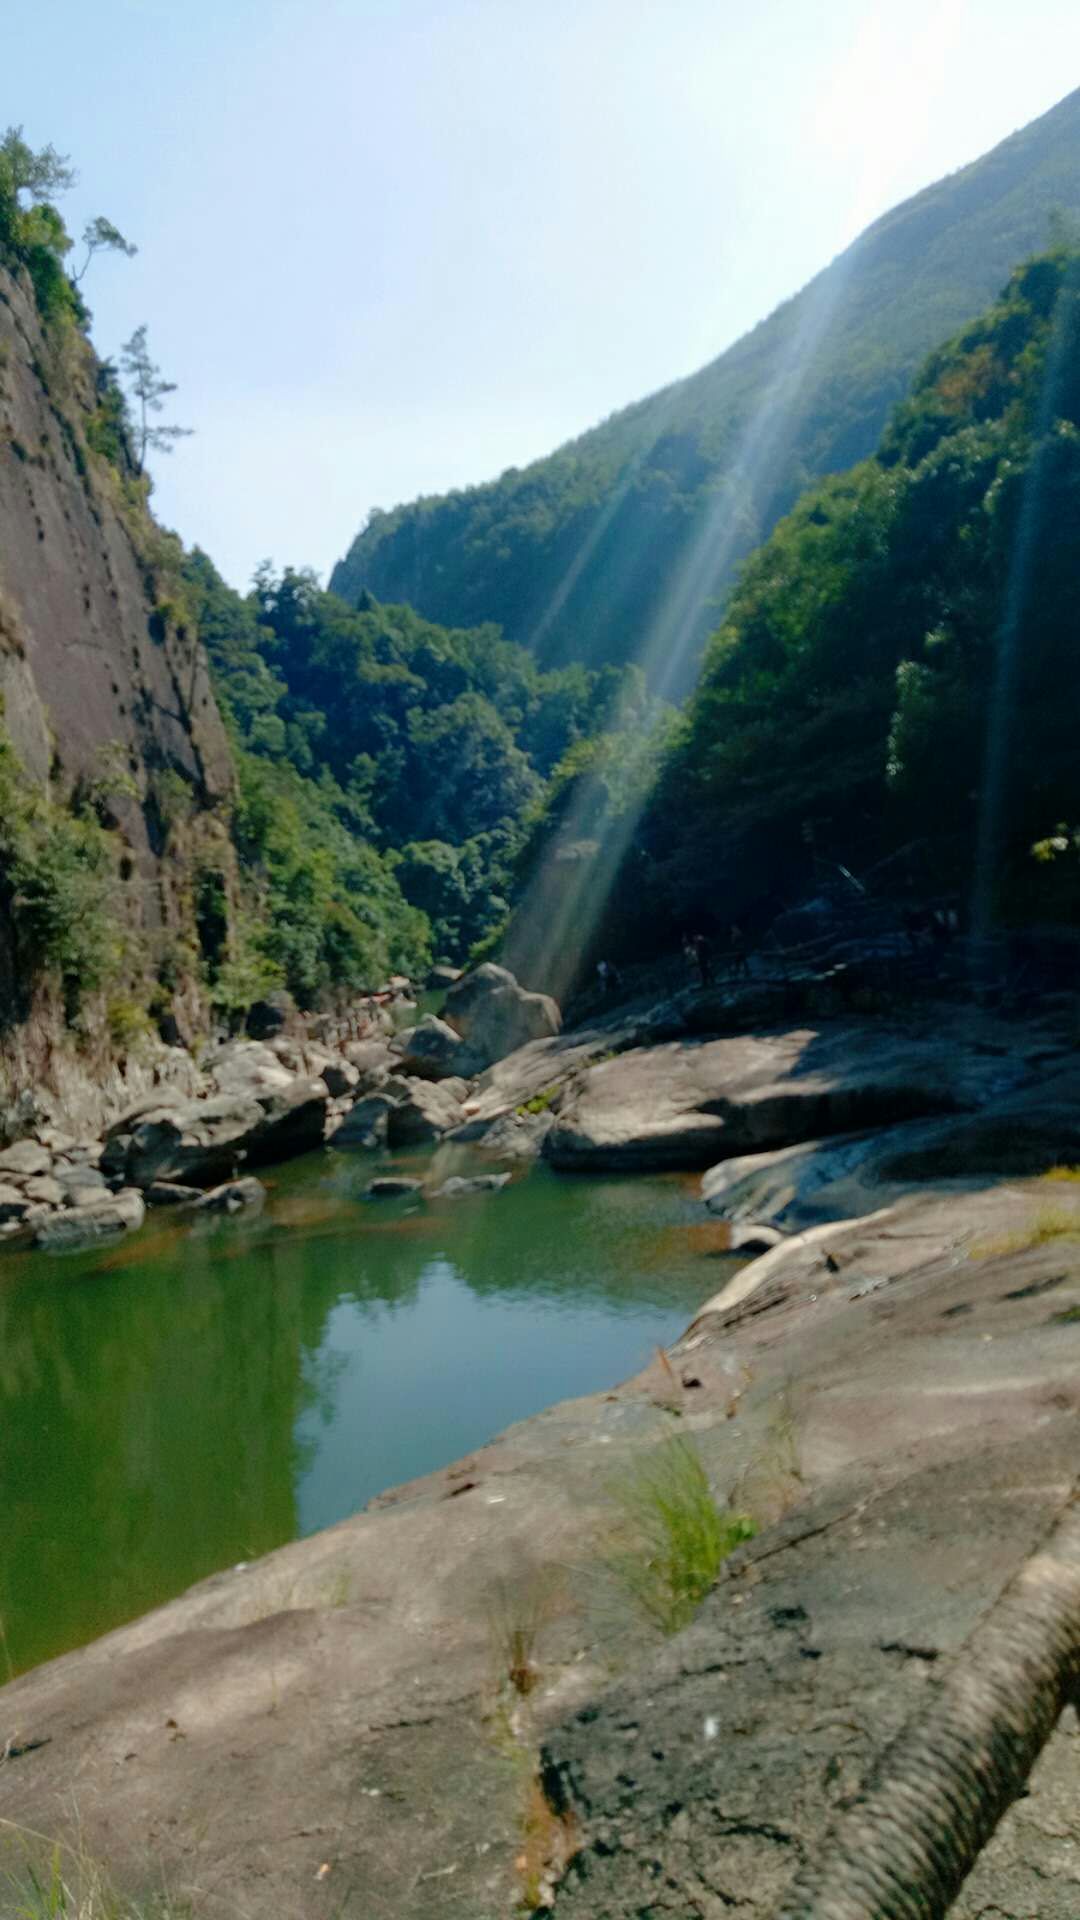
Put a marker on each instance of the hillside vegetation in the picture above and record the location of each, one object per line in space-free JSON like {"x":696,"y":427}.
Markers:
{"x":619,"y":546}
{"x":385,"y":764}
{"x":895,"y":679}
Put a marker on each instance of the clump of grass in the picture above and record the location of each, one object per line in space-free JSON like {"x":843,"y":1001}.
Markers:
{"x":519,"y":1608}
{"x":43,"y":1880}
{"x":674,"y":1537}
{"x":1052,"y":1223}
{"x":1061,"y":1173}
{"x":539,"y":1103}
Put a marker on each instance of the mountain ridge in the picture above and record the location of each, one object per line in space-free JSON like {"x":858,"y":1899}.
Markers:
{"x":621,"y":543}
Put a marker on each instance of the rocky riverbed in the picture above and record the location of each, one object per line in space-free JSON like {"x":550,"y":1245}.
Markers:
{"x":453,"y":1703}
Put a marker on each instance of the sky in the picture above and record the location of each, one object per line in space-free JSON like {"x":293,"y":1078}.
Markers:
{"x":388,"y":247}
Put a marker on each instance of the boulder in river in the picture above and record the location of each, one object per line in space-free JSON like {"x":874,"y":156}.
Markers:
{"x":495,"y":1016}
{"x":168,"y":1193}
{"x":106,"y":1219}
{"x":431,"y":1049}
{"x":422,"y":1110}
{"x":459,"y":1186}
{"x":234,"y":1196}
{"x":393,"y":1186}
{"x":365,"y":1123}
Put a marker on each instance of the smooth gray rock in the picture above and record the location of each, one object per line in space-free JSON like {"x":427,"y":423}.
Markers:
{"x":691,"y":1102}
{"x":425,"y":1111}
{"x":431,"y":1049}
{"x":25,"y":1158}
{"x":234,"y":1196}
{"x":459,"y":1186}
{"x":198,"y":1144}
{"x":80,"y":1184}
{"x":44,"y":1191}
{"x":373,"y":1061}
{"x":107,"y":1219}
{"x":365,"y":1125}
{"x":495,"y":1016}
{"x":167,"y":1193}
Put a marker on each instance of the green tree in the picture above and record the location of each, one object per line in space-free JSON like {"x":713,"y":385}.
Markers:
{"x":100,"y":236}
{"x":148,"y":391}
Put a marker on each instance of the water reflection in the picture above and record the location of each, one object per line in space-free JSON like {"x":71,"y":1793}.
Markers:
{"x":202,"y":1393}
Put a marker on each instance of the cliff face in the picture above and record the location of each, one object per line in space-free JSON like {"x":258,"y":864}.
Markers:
{"x":106,"y":696}
{"x":90,"y":664}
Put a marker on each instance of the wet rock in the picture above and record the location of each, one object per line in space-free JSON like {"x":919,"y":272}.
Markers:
{"x":431,"y":1049}
{"x":168,"y":1193}
{"x":26,"y":1158}
{"x":459,"y":1186}
{"x":76,"y":1227}
{"x":234,"y":1196}
{"x":365,"y":1125}
{"x":392,"y":1187}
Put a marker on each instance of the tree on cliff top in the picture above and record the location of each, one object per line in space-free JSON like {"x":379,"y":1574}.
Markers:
{"x":148,"y":392}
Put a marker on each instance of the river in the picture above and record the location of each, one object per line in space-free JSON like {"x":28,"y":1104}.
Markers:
{"x":206,"y":1390}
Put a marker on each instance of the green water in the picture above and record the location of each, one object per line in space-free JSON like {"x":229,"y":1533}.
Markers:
{"x":202,"y":1392}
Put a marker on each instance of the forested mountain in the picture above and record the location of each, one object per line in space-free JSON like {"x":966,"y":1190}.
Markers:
{"x":384,"y":763}
{"x":620,"y":545}
{"x":894,"y":687}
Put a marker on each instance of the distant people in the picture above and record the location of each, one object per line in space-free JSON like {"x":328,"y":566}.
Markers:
{"x":738,"y":963}
{"x":609,"y":978}
{"x":699,"y":956}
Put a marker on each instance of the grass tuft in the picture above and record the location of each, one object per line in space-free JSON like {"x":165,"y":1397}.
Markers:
{"x":1052,"y":1223}
{"x":674,"y":1538}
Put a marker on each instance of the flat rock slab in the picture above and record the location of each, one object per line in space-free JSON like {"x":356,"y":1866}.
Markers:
{"x":688,"y":1103}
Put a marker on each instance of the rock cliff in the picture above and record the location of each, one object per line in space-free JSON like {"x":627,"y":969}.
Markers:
{"x":105,"y":696}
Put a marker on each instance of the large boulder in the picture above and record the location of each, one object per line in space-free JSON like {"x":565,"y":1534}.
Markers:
{"x":495,"y":1016}
{"x":293,"y":1121}
{"x":431,"y":1049}
{"x":106,"y":1219}
{"x":365,"y":1124}
{"x":689,"y":1103}
{"x":423,"y":1110}
{"x":374,"y":1062}
{"x":204,"y":1142}
{"x":25,"y":1159}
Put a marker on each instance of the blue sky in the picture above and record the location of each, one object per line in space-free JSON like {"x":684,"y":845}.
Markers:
{"x":387,"y":248}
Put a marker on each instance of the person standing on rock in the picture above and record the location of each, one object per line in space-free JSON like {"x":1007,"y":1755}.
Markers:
{"x":608,"y":977}
{"x":700,"y":952}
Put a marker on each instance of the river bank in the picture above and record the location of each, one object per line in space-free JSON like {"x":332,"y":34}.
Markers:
{"x":359,"y":1721}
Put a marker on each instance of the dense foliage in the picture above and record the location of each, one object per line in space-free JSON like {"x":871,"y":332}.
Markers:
{"x":410,"y":755}
{"x":618,"y":545}
{"x":897,"y":668}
